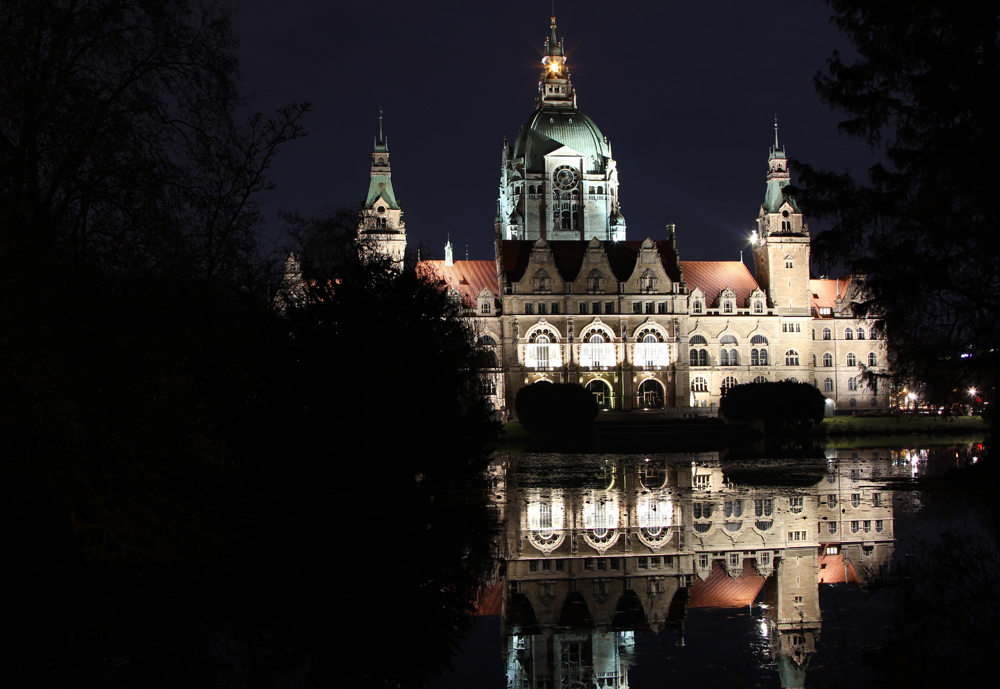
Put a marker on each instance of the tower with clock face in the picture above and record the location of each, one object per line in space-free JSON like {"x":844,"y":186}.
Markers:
{"x":558,"y":180}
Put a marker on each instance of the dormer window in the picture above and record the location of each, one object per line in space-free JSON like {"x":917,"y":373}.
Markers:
{"x":647,"y":283}
{"x":595,"y":281}
{"x":758,"y":306}
{"x":542,"y":282}
{"x":697,"y":306}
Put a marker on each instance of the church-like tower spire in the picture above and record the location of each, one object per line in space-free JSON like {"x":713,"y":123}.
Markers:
{"x":381,"y":218}
{"x":555,"y":87}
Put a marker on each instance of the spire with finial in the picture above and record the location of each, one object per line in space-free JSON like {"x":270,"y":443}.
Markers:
{"x":555,"y":87}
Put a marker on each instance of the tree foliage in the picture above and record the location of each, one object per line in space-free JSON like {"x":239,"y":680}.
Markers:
{"x":923,"y":231}
{"x":783,"y":403}
{"x":179,"y":460}
{"x":555,"y":407}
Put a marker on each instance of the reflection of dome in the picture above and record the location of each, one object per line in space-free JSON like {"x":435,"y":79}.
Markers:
{"x":552,"y":128}
{"x":515,"y":218}
{"x":617,"y":218}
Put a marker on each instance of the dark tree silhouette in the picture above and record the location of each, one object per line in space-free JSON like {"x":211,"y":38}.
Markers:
{"x":923,"y":232}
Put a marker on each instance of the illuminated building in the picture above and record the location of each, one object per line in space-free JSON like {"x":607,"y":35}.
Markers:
{"x":569,"y":298}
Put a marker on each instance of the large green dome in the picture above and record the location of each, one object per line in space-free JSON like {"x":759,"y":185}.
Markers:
{"x":550,"y":128}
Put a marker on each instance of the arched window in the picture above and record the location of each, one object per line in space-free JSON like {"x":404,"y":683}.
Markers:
{"x":758,"y":306}
{"x":600,"y":190}
{"x":728,"y":340}
{"x":486,"y":341}
{"x":601,"y":392}
{"x":727,"y":306}
{"x":861,"y":333}
{"x":763,"y":357}
{"x":566,"y":220}
{"x":592,"y":190}
{"x":828,"y":385}
{"x":854,"y":403}
{"x":872,"y":359}
{"x":651,"y":394}
{"x":699,"y":384}
{"x":724,"y":358}
{"x":760,"y":379}
{"x":754,"y":357}
{"x":697,"y":306}
{"x":852,"y":383}
{"x":758,"y":340}
{"x":828,"y":359}
{"x":694,"y":357}
{"x":729,"y":382}
{"x":531,"y":189}
{"x":827,"y":335}
{"x":734,"y":358}
{"x":542,"y":351}
{"x":852,"y":360}
{"x":703,"y":357}
{"x":698,"y":339}
{"x":848,"y":334}
{"x":791,"y":358}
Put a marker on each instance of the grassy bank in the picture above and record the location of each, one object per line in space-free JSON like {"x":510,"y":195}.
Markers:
{"x":850,"y":425}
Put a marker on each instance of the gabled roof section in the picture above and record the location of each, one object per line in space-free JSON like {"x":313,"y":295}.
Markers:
{"x":381,"y":185}
{"x":568,"y":257}
{"x":825,"y":294}
{"x":468,"y":278}
{"x":714,"y":276}
{"x":720,"y":590}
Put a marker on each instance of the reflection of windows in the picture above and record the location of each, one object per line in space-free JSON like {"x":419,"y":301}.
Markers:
{"x":832,"y":527}
{"x":872,"y":359}
{"x":855,"y":527}
{"x":879,"y":525}
{"x":795,"y":504}
{"x":734,"y":509}
{"x":866,"y":526}
{"x":703,"y":560}
{"x":855,"y":499}
{"x":702,"y":510}
{"x":828,"y":359}
{"x":702,"y":481}
{"x":763,"y":507}
{"x":852,"y":360}
{"x":876,"y":499}
{"x":831,"y":501}
{"x":827,"y":334}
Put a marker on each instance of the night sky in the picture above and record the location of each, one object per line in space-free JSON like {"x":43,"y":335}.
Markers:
{"x":685,"y":92}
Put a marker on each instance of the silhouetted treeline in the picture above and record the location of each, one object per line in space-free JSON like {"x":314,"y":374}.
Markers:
{"x":201,"y":489}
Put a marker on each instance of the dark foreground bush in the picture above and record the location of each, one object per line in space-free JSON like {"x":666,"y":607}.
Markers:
{"x":783,"y":403}
{"x":546,"y":407}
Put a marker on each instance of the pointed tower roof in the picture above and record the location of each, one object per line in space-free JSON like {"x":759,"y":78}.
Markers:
{"x":381,"y":184}
{"x":778,"y":177}
{"x":555,"y":88}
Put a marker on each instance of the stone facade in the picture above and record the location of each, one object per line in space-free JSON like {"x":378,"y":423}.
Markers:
{"x":567,"y":298}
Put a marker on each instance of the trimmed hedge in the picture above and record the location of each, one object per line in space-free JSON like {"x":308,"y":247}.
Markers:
{"x":545,"y":406}
{"x":783,"y":402}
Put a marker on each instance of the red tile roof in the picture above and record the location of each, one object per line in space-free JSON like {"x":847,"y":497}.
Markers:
{"x":714,"y":276}
{"x":468,"y":278}
{"x":490,"y":602}
{"x":825,"y":293}
{"x":832,"y":570}
{"x":722,"y":591}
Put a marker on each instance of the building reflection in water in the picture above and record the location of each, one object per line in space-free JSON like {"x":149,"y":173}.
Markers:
{"x":602,"y":547}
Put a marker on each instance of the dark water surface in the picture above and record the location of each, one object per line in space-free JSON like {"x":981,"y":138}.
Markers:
{"x":692,"y":569}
